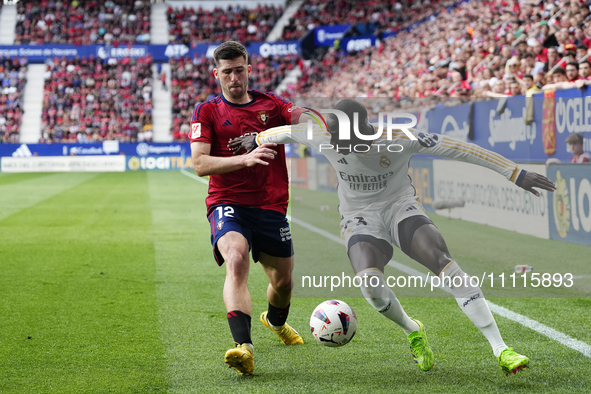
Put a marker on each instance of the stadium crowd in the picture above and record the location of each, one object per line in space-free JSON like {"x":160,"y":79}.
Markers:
{"x":13,"y":73}
{"x":479,"y":48}
{"x":115,"y":22}
{"x":192,"y":81}
{"x":91,"y":100}
{"x":191,"y":26}
{"x":382,"y":15}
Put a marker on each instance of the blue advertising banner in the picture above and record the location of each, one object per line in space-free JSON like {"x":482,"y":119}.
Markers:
{"x":160,"y":53}
{"x":359,"y":43}
{"x":101,"y":148}
{"x":451,"y":121}
{"x":570,"y":205}
{"x":500,"y":125}
{"x":572,"y":114}
{"x":325,"y":36}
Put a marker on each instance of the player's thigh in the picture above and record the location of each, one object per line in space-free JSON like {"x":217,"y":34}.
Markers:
{"x":234,"y":248}
{"x":273,"y":248}
{"x":368,"y":254}
{"x":231,"y":236}
{"x":368,"y":240}
{"x":428,"y":247}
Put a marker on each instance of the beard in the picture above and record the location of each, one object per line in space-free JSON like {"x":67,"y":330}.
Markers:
{"x":236,"y":95}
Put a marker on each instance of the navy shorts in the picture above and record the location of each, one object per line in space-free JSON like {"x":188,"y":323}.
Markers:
{"x":265,"y":230}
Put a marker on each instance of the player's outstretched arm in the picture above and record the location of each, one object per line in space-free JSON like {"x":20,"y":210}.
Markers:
{"x":205,"y":164}
{"x":276,"y":135}
{"x":444,"y":146}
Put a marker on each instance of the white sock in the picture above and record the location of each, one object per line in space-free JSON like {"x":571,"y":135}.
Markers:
{"x":384,"y":300}
{"x":472,"y":303}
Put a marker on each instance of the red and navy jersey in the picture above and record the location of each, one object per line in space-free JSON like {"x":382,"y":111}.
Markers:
{"x":217,"y":121}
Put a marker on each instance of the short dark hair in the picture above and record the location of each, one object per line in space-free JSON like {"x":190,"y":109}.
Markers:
{"x":559,"y":70}
{"x":585,"y":61}
{"x":582,"y":46}
{"x":529,"y":76}
{"x":526,"y":55}
{"x":574,"y":64}
{"x":229,"y":50}
{"x":574,"y":138}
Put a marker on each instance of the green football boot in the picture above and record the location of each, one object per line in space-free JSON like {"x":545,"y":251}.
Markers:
{"x":419,"y":347}
{"x":511,"y":361}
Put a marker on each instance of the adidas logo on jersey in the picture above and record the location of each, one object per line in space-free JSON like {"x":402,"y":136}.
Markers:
{"x":342,"y":161}
{"x":22,"y":151}
{"x":411,"y":208}
{"x":227,"y":123}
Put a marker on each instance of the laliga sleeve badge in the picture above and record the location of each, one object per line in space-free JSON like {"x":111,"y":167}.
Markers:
{"x":195,"y":130}
{"x":220,"y":224}
{"x":263,"y":117}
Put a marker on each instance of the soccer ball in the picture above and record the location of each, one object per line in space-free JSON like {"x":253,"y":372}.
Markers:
{"x":333,"y":323}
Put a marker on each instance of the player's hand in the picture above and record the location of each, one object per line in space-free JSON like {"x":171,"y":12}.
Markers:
{"x":259,"y":156}
{"x":245,"y":142}
{"x":532,"y":179}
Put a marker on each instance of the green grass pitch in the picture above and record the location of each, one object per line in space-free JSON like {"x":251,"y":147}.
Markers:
{"x":108,"y":285}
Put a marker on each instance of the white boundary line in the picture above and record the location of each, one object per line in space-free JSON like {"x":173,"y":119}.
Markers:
{"x":551,"y":333}
{"x":540,"y":328}
{"x":197,"y":178}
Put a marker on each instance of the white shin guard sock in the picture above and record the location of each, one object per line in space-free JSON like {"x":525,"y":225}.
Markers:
{"x":384,"y":300}
{"x":472,"y":303}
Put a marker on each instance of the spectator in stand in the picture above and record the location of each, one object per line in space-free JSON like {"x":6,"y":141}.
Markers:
{"x":575,"y":146}
{"x":559,"y":75}
{"x":115,"y":22}
{"x":582,"y":51}
{"x":530,"y":86}
{"x":585,"y":70}
{"x":572,"y":71}
{"x":191,"y":26}
{"x":92,"y":99}
{"x":13,"y":72}
{"x":402,"y":65}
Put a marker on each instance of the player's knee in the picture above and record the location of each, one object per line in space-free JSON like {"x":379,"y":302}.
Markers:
{"x":373,"y":288}
{"x":237,"y":263}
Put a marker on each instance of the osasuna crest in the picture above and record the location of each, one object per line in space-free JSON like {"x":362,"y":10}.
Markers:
{"x":263,"y":117}
{"x":384,"y":161}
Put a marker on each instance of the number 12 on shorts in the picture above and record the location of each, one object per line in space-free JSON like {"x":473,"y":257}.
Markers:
{"x":225,"y":211}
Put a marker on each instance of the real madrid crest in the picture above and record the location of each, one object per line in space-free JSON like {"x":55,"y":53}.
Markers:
{"x":384,"y":161}
{"x":263,"y":117}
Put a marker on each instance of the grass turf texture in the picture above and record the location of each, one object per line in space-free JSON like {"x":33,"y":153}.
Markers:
{"x":112,"y":278}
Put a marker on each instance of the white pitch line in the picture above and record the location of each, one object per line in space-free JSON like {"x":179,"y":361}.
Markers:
{"x":551,"y":333}
{"x":532,"y":324}
{"x":197,"y":178}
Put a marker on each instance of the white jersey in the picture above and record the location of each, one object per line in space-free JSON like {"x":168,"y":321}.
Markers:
{"x":380,"y":175}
